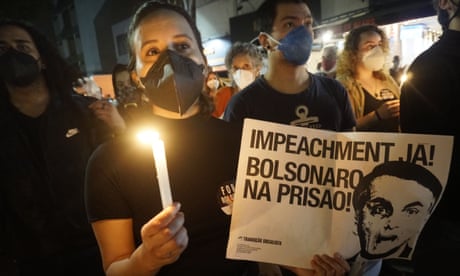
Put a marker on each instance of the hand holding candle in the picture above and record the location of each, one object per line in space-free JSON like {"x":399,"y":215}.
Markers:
{"x":159,"y":155}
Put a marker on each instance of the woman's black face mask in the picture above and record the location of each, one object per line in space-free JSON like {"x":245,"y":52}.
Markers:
{"x":174,"y":82}
{"x":18,"y":68}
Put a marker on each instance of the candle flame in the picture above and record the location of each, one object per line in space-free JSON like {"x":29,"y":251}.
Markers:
{"x":148,"y":136}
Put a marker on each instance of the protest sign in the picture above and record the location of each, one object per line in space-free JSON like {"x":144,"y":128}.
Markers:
{"x":295,"y":187}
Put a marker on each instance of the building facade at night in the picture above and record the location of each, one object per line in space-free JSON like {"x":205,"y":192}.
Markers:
{"x":92,"y":33}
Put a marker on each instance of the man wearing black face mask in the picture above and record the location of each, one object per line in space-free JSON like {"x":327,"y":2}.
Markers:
{"x":48,"y":133}
{"x":429,"y":104}
{"x":288,"y":93}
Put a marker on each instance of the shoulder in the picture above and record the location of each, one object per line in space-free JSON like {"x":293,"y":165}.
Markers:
{"x":224,"y":91}
{"x":327,"y":84}
{"x":257,"y":86}
{"x":111,"y":150}
{"x":251,"y":92}
{"x":432,"y":68}
{"x":437,"y":59}
{"x":346,"y":80}
{"x":209,"y":124}
{"x":81,"y":100}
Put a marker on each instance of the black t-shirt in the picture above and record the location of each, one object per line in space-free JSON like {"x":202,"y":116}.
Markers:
{"x":371,"y":104}
{"x":43,"y":222}
{"x":324,"y":105}
{"x":32,"y":128}
{"x":202,"y":155}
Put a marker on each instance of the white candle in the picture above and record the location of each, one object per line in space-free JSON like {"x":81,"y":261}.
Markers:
{"x":159,"y":155}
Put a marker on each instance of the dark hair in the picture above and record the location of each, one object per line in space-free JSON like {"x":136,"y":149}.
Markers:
{"x":348,"y":59}
{"x":243,"y":48}
{"x":435,"y":5}
{"x":153,"y":6}
{"x":266,"y":13}
{"x":149,"y":7}
{"x":118,"y":68}
{"x":399,"y":169}
{"x":58,"y":74}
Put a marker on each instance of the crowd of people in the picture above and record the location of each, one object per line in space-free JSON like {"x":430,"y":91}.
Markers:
{"x":78,"y":195}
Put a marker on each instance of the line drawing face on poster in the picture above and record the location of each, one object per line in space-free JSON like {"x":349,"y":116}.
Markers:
{"x":387,"y":222}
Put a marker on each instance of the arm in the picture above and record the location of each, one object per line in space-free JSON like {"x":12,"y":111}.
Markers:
{"x":388,"y":110}
{"x":164,"y":238}
{"x":109,"y":114}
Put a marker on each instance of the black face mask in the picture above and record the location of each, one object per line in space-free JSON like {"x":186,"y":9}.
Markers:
{"x":18,"y":68}
{"x":174,"y":82}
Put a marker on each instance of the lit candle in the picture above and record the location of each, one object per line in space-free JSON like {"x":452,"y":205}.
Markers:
{"x":159,"y":156}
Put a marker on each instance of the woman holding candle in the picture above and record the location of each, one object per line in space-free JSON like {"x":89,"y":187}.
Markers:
{"x":374,"y":94}
{"x":136,"y":235}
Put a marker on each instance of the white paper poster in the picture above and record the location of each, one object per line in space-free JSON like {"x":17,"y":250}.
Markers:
{"x":301,"y":192}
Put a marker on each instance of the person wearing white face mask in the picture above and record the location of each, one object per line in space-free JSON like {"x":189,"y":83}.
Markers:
{"x":243,"y":62}
{"x":374,"y":94}
{"x":243,"y":78}
{"x":212,"y":84}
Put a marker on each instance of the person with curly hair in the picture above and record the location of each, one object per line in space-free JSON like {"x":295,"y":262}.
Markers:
{"x":374,"y":94}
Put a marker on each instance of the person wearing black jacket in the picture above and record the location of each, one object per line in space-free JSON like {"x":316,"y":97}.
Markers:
{"x":429,"y":104}
{"x":48,"y":133}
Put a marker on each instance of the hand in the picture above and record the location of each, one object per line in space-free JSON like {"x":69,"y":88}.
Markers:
{"x":164,"y":238}
{"x":324,"y":265}
{"x":389,"y":109}
{"x":108,"y":113}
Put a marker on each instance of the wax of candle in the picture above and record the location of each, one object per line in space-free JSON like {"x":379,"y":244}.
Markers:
{"x":159,"y":155}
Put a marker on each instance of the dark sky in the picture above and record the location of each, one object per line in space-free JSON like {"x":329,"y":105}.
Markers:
{"x":37,"y":12}
{"x":25,"y":9}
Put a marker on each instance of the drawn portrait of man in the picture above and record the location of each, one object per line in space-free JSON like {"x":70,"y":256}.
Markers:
{"x":392,"y":203}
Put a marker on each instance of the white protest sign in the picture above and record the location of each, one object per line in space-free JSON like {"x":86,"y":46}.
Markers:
{"x":294,"y":192}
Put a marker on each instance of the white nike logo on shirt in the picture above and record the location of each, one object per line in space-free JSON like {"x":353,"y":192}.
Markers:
{"x":71,"y":132}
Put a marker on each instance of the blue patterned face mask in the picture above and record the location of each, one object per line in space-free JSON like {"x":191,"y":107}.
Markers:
{"x":295,"y":46}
